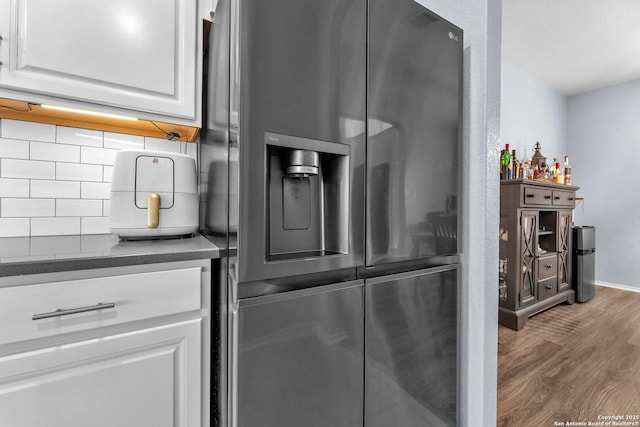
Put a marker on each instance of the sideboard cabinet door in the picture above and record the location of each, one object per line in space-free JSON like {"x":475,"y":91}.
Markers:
{"x":528,"y":246}
{"x":565,"y":228}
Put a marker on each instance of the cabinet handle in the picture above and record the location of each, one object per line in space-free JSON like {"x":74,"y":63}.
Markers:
{"x":530,"y":196}
{"x":547,"y":197}
{"x":549,"y":287}
{"x":570,"y":198}
{"x":548,"y":266}
{"x":63,"y":312}
{"x":556,"y":198}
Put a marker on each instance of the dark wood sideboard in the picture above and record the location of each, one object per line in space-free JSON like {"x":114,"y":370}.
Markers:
{"x":534,"y":248}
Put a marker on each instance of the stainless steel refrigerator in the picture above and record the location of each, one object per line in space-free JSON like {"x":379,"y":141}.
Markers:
{"x":330,"y":176}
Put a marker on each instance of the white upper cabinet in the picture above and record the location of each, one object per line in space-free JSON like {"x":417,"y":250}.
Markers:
{"x":142,"y":56}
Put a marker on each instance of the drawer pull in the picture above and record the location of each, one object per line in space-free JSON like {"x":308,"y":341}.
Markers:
{"x":556,"y":198}
{"x":549,"y":287}
{"x":547,"y":197}
{"x":530,"y":196}
{"x":64,"y":312}
{"x":548,"y":266}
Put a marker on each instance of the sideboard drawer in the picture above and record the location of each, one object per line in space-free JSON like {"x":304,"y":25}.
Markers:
{"x":564,"y":198}
{"x":40,"y":310}
{"x":547,"y":266}
{"x":547,"y":288}
{"x":537,"y":196}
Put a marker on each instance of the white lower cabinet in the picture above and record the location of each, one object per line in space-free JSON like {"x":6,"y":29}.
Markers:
{"x":124,"y":347}
{"x":147,"y":377}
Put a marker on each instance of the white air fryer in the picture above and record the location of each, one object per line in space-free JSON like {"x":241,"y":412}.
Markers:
{"x":153,"y":195}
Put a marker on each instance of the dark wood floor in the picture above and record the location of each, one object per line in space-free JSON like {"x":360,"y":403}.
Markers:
{"x":572,"y":363}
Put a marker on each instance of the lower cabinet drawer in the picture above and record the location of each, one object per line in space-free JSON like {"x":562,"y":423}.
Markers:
{"x":547,"y":266}
{"x":547,"y":287}
{"x":46,"y":309}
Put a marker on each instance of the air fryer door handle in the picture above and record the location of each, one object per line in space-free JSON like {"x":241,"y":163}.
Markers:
{"x":153,"y":210}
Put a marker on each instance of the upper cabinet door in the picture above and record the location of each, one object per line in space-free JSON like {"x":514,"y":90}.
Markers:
{"x":140,"y":56}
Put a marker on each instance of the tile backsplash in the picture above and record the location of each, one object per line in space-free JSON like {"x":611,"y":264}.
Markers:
{"x":56,"y":180}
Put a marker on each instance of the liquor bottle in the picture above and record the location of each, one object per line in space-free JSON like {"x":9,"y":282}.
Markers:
{"x":526,"y":169}
{"x":567,"y":171}
{"x":556,"y":174}
{"x":514,"y":165}
{"x":505,"y":162}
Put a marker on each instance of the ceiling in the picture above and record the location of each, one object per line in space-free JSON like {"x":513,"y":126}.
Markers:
{"x":573,"y":46}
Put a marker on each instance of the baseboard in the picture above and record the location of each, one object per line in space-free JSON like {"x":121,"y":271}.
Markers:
{"x":618,"y":286}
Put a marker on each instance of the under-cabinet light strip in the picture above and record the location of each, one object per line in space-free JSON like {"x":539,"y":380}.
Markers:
{"x":93,"y":113}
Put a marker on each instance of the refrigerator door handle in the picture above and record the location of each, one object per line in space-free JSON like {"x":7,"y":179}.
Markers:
{"x":234,"y":75}
{"x":232,"y":349}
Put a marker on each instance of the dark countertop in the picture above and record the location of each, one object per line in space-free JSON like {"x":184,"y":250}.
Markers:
{"x":33,"y":255}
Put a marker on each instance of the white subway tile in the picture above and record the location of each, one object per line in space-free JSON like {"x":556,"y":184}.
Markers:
{"x":97,"y":156}
{"x":157,"y":144}
{"x":14,"y":227}
{"x":78,"y":172}
{"x":25,"y":208}
{"x":15,"y":168}
{"x":78,"y":207}
{"x":14,"y":148}
{"x":95,"y":190}
{"x":192,"y":149}
{"x":106,"y":207}
{"x":55,"y":189}
{"x":54,"y":152}
{"x":78,"y":136}
{"x":55,"y":226}
{"x":98,"y":225}
{"x":29,"y":131}
{"x":122,"y":141}
{"x":14,"y":187}
{"x":107,"y":175}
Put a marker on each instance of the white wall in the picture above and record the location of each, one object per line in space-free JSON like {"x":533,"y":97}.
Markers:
{"x":481,"y":22}
{"x":531,"y":111}
{"x":604,"y":148}
{"x":56,"y":180}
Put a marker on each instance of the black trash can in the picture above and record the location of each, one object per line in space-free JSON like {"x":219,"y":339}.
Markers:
{"x":584,"y":262}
